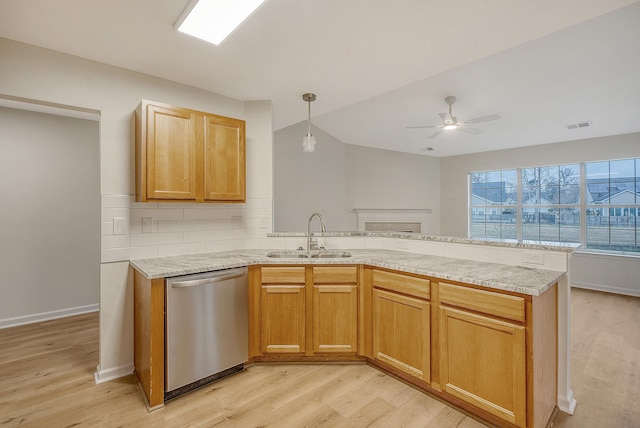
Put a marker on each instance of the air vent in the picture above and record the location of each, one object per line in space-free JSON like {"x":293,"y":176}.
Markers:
{"x":427,"y":149}
{"x":583,"y":124}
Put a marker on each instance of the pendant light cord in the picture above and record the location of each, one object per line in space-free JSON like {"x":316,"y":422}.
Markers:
{"x":309,"y":118}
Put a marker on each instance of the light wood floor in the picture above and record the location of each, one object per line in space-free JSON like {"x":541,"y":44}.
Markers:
{"x":605,"y":360}
{"x":46,"y":379}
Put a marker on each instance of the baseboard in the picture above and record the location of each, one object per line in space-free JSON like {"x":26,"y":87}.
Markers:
{"x":46,"y":316}
{"x":567,"y":404}
{"x":112,"y":373}
{"x":606,"y":288}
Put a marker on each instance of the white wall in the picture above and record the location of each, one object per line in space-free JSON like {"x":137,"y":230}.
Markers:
{"x":605,"y":272}
{"x":586,"y":270}
{"x":49,"y":223}
{"x":379,"y":178}
{"x":46,"y":76}
{"x":339,"y":177}
{"x":308,"y":182}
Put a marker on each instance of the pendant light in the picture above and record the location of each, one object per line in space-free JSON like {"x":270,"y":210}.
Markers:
{"x":309,"y":142}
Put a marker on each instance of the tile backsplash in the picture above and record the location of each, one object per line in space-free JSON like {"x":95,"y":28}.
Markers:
{"x":174,"y":229}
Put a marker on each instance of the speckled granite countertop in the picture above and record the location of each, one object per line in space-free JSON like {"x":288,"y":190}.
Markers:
{"x":511,"y":243}
{"x":502,"y":277}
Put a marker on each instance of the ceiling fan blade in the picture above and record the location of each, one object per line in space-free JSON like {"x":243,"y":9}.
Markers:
{"x":468,"y":130}
{"x":435,"y":134}
{"x":483,"y":118}
{"x":423,"y":126}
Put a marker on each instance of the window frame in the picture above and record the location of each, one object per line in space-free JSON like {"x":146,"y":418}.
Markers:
{"x":580,"y":205}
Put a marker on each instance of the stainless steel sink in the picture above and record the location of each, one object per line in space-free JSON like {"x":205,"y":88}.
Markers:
{"x":331,"y":255}
{"x":287,"y":255}
{"x":313,"y":255}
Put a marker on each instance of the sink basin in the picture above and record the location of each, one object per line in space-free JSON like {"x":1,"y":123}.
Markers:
{"x":287,"y":255}
{"x":331,"y":255}
{"x":305,"y":255}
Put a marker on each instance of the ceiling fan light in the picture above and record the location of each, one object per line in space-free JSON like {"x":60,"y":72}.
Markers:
{"x":450,"y":127}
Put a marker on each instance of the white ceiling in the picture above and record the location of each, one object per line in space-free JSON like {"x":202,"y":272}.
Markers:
{"x":379,"y":66}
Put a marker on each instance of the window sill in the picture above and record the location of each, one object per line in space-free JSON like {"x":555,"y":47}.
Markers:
{"x":607,"y":254}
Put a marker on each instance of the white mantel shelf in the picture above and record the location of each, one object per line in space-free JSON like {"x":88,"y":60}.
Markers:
{"x":393,"y":215}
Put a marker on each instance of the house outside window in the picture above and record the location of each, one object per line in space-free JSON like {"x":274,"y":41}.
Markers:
{"x":613,"y":205}
{"x":551,"y":203}
{"x":596,"y":204}
{"x":494,"y":204}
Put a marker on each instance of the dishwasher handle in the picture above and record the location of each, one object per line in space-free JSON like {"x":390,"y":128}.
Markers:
{"x":205,"y":281}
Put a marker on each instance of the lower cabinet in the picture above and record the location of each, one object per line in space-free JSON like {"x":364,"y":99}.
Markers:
{"x":482,"y":362}
{"x":498,"y":352}
{"x":401,"y":323}
{"x":401,"y":331}
{"x":283,"y":319}
{"x":283,"y":315}
{"x":491,"y":352}
{"x":309,"y":311}
{"x":335,"y":319}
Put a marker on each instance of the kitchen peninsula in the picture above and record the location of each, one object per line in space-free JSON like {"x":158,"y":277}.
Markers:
{"x":462,"y":316}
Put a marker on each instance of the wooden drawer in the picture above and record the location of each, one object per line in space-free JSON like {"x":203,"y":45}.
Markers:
{"x":335,"y":274}
{"x":283,"y":275}
{"x":404,"y":284}
{"x":501,"y":305}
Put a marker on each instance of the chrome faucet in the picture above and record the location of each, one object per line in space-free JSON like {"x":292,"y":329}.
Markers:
{"x":309,"y":240}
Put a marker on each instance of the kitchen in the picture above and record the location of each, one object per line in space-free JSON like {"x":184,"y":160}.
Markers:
{"x":30,"y":73}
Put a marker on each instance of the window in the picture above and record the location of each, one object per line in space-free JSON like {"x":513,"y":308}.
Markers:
{"x":613,"y":205}
{"x":596,"y":204}
{"x":493,"y":204}
{"x":550,"y":203}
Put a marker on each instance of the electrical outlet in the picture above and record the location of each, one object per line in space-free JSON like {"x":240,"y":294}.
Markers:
{"x":119,"y":226}
{"x":147,"y":224}
{"x":236,"y":222}
{"x":264,"y":222}
{"x":534,"y":258}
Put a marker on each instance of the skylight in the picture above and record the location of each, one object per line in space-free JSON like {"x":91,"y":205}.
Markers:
{"x":214,"y":20}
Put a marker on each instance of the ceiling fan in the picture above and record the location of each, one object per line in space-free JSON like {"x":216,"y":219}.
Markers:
{"x":450,"y":122}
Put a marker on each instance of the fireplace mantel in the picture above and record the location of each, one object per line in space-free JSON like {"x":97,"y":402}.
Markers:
{"x":393,"y":218}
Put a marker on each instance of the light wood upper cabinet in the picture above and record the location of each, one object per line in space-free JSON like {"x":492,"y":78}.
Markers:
{"x":188,"y":155}
{"x":224,"y":159}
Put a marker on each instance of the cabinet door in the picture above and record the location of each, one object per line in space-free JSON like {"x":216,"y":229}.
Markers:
{"x":170,"y":153}
{"x":283,"y":319}
{"x":402,"y":333}
{"x":224,"y":158}
{"x":482,"y":361}
{"x":335,"y":318}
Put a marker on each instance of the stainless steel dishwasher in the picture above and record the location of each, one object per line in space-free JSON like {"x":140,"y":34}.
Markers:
{"x":206,"y":328}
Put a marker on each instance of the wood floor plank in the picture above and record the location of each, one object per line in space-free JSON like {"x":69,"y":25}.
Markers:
{"x":46,"y":379}
{"x":415,"y":410}
{"x":370,"y":413}
{"x":605,"y":358}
